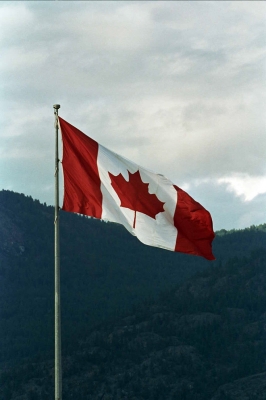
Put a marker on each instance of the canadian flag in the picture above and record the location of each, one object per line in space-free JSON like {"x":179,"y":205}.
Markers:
{"x":102,"y":184}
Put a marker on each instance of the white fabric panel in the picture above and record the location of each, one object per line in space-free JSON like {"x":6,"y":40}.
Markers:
{"x":159,"y":232}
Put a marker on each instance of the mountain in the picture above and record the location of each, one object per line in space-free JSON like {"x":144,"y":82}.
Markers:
{"x":202,"y":340}
{"x":137,"y":322}
{"x":104,"y":272}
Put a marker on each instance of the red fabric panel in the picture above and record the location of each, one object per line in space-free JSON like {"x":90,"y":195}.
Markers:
{"x":194,"y":225}
{"x":82,"y":193}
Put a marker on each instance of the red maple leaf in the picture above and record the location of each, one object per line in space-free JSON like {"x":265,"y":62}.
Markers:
{"x":134,"y":195}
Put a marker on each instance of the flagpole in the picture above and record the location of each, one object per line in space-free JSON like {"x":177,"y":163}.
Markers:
{"x":58,"y":363}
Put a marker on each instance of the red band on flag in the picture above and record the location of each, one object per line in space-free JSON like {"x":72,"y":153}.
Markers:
{"x":194,"y":225}
{"x":82,"y":193}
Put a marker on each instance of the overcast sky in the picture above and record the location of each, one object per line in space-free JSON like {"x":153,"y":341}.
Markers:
{"x":178,"y":87}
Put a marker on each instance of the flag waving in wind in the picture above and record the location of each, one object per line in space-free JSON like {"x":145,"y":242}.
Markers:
{"x":102,"y":184}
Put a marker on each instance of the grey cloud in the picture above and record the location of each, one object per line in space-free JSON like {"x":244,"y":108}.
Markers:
{"x":179,"y":85}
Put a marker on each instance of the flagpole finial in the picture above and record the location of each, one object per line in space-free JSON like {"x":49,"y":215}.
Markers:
{"x":56,"y":106}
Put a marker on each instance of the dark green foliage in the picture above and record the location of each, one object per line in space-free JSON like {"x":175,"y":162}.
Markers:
{"x":206,"y":333}
{"x":212,"y":346}
{"x":104,"y":271}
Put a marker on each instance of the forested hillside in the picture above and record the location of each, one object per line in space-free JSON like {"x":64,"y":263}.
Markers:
{"x":203,"y":340}
{"x":106,"y":272}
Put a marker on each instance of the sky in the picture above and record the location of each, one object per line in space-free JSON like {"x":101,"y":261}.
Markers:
{"x":178,"y":87}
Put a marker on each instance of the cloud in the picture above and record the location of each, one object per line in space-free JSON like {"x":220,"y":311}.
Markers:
{"x":245,"y":186}
{"x":178,"y":87}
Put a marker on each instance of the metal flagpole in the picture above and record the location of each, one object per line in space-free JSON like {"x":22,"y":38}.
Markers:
{"x":58,"y":364}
